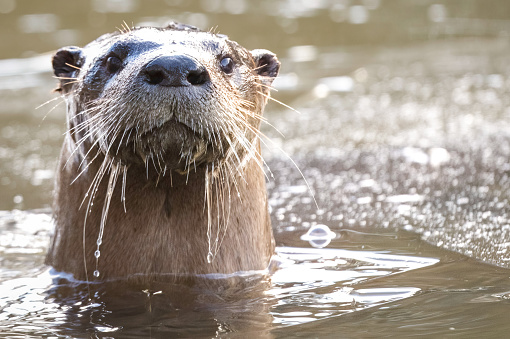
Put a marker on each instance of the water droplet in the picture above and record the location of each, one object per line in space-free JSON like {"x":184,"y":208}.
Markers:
{"x":99,"y":241}
{"x":96,"y":273}
{"x":209,"y":257}
{"x":97,"y":253}
{"x":319,"y":236}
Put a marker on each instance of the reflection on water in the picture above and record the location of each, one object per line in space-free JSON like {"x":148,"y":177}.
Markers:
{"x":402,"y":136}
{"x":314,"y":284}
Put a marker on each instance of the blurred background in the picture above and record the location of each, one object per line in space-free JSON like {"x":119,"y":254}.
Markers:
{"x":330,"y":49}
{"x":31,"y":28}
{"x":406,"y":97}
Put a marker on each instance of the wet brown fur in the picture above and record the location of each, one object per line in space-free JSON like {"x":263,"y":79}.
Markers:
{"x":161,"y":228}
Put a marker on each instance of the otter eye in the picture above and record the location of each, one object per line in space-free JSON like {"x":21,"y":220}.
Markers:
{"x":227,"y":65}
{"x":113,"y":64}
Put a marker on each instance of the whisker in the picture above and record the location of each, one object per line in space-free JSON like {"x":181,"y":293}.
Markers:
{"x":80,"y":142}
{"x":270,"y":87}
{"x":47,"y":102}
{"x":114,"y":173}
{"x":73,"y":66}
{"x":92,"y":192}
{"x":66,"y":78}
{"x":51,"y":110}
{"x":279,"y":102}
{"x":123,"y":192}
{"x":128,"y":29}
{"x":208,"y":178}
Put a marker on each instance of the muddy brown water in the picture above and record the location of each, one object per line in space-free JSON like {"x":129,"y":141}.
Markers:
{"x":403,"y":136}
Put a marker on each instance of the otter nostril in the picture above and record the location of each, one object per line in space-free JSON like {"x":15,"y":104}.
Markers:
{"x":175,"y":71}
{"x":198,"y":77}
{"x":155,"y":76}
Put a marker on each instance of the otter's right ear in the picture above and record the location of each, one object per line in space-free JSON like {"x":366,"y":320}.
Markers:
{"x":66,"y":65}
{"x":266,"y":65}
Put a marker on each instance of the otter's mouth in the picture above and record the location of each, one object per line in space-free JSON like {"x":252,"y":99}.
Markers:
{"x":171,"y":146}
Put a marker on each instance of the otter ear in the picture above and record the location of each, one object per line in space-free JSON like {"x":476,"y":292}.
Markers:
{"x":266,"y":65}
{"x":66,"y":64}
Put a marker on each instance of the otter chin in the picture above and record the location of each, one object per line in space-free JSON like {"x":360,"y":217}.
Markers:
{"x":160,"y":171}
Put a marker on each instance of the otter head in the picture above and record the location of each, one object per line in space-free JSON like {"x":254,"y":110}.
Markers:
{"x":174,"y":97}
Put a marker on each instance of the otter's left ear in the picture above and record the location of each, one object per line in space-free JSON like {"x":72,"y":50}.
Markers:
{"x":66,"y":65}
{"x":267,"y":65}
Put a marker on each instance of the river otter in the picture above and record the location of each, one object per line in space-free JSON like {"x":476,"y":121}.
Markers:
{"x":160,"y":171}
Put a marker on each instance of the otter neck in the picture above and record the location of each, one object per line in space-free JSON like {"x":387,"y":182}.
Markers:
{"x":165,"y":227}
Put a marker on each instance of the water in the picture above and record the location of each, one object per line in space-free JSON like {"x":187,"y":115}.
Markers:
{"x":393,"y":281}
{"x":402,"y":137}
{"x":309,"y":285}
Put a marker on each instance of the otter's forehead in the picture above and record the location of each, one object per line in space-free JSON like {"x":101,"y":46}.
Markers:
{"x":150,"y":39}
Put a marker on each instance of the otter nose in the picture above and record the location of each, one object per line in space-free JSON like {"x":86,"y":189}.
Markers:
{"x":175,"y":70}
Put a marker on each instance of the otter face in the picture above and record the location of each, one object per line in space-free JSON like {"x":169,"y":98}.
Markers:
{"x":176,"y":96}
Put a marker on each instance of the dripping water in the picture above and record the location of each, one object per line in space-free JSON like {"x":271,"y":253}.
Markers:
{"x":116,"y":167}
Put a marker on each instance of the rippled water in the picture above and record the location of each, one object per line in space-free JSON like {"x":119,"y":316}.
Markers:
{"x":396,"y":283}
{"x":309,"y":284}
{"x":403,"y":138}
